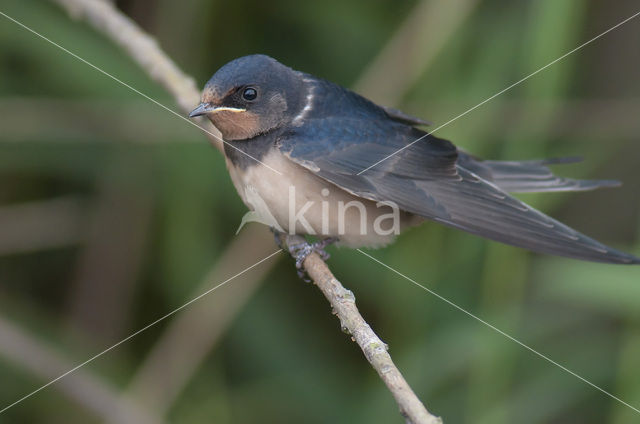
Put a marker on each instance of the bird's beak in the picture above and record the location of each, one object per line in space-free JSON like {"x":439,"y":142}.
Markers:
{"x":204,"y":108}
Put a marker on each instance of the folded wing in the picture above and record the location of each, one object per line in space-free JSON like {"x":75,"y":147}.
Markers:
{"x":529,"y":176}
{"x":427,"y":179}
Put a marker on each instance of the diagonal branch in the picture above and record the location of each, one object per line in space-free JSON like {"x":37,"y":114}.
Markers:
{"x":105,"y":18}
{"x":144,"y":50}
{"x":375,"y":350}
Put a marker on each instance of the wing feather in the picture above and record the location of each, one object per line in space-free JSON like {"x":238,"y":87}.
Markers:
{"x":530,"y":176}
{"x":427,"y":179}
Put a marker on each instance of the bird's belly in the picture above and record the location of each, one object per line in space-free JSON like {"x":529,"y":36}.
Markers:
{"x":300,"y":202}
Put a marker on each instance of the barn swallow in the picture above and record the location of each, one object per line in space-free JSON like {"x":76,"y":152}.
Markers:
{"x":295,"y":139}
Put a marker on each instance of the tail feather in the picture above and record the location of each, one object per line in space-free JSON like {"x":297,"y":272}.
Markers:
{"x":482,"y":208}
{"x":533,"y":176}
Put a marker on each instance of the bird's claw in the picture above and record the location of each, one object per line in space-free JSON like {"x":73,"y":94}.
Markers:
{"x":301,"y":251}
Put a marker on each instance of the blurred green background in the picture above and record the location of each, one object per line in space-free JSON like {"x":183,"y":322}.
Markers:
{"x":113,"y":212}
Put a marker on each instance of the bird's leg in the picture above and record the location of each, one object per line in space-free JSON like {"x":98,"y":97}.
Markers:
{"x":277,"y":236}
{"x":300,"y":252}
{"x":319,"y":247}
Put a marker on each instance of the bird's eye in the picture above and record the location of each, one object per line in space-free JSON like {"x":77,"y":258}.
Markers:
{"x":249,"y":94}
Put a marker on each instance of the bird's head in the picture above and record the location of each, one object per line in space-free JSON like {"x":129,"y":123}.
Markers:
{"x":250,"y":95}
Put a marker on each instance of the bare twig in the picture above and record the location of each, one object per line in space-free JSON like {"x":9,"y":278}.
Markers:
{"x":142,"y":48}
{"x":375,"y":350}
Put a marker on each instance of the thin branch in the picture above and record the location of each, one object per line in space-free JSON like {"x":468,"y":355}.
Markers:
{"x":375,"y":350}
{"x":144,"y":50}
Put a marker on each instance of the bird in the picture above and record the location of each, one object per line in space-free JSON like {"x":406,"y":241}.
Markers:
{"x":329,"y":163}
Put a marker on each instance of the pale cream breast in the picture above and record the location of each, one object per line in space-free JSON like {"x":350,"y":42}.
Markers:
{"x":301,"y":201}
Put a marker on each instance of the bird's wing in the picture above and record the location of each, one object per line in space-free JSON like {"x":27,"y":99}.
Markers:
{"x":400,"y":116}
{"x":528,"y":176}
{"x":426,"y":179}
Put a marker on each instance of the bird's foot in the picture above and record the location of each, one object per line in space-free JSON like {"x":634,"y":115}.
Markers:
{"x":301,"y":251}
